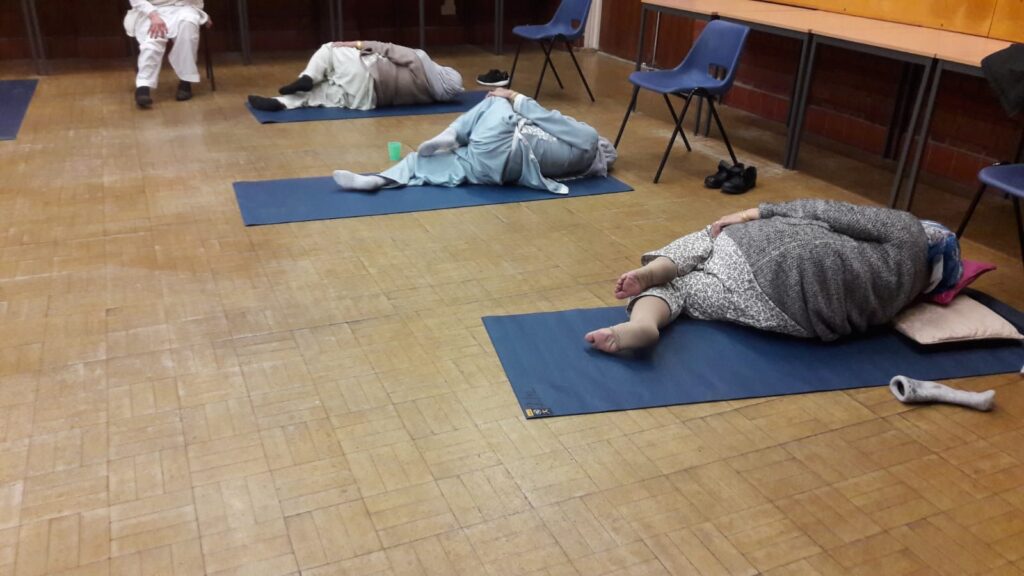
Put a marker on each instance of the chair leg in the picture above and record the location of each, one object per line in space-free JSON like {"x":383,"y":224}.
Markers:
{"x":551,"y":48}
{"x":718,"y":121}
{"x":677,"y":130}
{"x":208,"y":60}
{"x":543,"y":70}
{"x":547,"y":48}
{"x":515,"y":61}
{"x":1020,"y":227}
{"x":578,"y":69}
{"x":632,"y":102}
{"x":970,"y":211}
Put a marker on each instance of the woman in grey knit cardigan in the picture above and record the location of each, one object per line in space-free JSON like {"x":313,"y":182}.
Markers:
{"x":808,"y":268}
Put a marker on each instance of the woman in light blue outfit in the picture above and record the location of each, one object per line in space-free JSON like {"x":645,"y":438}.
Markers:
{"x":507,"y":138}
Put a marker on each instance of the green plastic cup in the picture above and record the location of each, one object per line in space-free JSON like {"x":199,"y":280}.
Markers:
{"x":395,"y":151}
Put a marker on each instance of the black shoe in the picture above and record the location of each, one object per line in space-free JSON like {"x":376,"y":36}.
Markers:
{"x":493,"y":78}
{"x":142,"y":97}
{"x":725,"y":172}
{"x":741,"y":182}
{"x":265,"y":104}
{"x":184,"y":91}
{"x":303,"y":84}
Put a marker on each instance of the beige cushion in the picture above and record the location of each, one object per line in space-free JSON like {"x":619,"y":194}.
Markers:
{"x":963,"y":319}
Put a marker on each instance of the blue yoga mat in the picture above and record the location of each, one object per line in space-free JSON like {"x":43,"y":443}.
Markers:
{"x":464,"y":102}
{"x":554,"y":372}
{"x":15,"y":96}
{"x":305,"y":199}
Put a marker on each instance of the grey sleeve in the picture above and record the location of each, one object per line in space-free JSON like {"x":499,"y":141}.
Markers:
{"x":398,"y":55}
{"x":868,"y":223}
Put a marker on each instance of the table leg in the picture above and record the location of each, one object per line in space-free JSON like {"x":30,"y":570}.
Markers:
{"x":899,"y":112}
{"x":905,"y":152}
{"x":640,"y":42}
{"x":798,"y":77}
{"x":34,"y":36}
{"x":1020,"y":148}
{"x":243,"y":31}
{"x":499,"y":26}
{"x":922,"y":138}
{"x":801,"y":105}
{"x":423,"y":25}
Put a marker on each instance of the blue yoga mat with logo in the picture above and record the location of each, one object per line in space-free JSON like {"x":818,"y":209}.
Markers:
{"x":305,"y":199}
{"x":464,"y":102}
{"x":15,"y":96}
{"x":554,"y":372}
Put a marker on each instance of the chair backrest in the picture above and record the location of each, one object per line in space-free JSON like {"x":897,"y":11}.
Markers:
{"x":570,"y":12}
{"x":720,"y":46}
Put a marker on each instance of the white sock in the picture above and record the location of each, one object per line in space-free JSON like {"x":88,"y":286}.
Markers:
{"x":908,"y":390}
{"x":443,"y":142}
{"x":352,"y":181}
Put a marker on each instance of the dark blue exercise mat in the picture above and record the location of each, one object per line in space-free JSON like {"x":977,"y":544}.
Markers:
{"x":305,"y":199}
{"x":15,"y":96}
{"x":464,"y":102}
{"x":554,"y":372}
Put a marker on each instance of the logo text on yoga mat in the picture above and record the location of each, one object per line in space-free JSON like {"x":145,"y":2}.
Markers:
{"x":537,"y":412}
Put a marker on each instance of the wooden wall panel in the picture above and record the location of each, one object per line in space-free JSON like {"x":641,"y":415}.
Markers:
{"x":620,"y":24}
{"x":92,"y":28}
{"x":1008,"y":21}
{"x":13,"y":41}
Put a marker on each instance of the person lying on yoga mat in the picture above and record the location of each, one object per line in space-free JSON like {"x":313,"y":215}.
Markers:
{"x":507,"y":138}
{"x":807,"y":268}
{"x":364,"y":75}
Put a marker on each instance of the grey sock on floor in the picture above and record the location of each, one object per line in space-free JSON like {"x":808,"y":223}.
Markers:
{"x":908,"y":390}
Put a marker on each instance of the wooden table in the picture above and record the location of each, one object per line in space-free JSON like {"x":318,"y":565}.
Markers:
{"x":933,"y":50}
{"x":910,"y":44}
{"x":955,"y":52}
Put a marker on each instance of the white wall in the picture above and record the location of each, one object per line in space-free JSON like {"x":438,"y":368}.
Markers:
{"x":592,"y":35}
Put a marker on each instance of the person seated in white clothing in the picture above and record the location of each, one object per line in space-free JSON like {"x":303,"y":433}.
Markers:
{"x":153,"y":23}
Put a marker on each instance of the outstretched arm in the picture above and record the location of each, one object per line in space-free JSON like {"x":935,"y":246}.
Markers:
{"x":734,"y":218}
{"x":569,"y":130}
{"x":868,"y":223}
{"x":396,"y":53}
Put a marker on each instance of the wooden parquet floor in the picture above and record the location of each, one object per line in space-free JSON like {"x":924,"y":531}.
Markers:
{"x":180,"y":394}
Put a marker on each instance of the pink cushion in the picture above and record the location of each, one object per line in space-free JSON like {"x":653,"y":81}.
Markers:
{"x":972,"y":269}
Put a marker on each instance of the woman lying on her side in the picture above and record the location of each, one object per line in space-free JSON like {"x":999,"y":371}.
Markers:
{"x":507,"y":138}
{"x":807,"y":268}
{"x":365,"y":75}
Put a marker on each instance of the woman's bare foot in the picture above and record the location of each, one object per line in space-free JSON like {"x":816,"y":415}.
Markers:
{"x":634,"y":282}
{"x":623,"y":336}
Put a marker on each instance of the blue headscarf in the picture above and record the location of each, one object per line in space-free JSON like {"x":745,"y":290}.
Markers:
{"x":943,"y":257}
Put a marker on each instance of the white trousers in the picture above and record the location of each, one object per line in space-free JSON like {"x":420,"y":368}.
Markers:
{"x":341,"y":78}
{"x":183,"y":27}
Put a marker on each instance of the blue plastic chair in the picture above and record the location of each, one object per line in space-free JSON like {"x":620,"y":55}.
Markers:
{"x":707,"y":71}
{"x":560,"y":28}
{"x":1008,"y":178}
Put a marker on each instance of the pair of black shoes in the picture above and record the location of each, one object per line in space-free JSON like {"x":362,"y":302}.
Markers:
{"x":732,"y":179}
{"x":143,"y":99}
